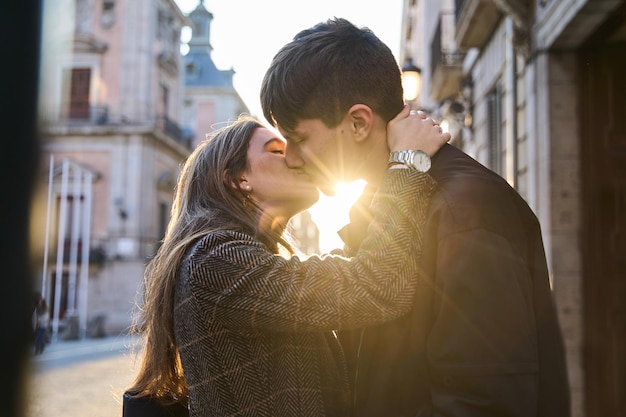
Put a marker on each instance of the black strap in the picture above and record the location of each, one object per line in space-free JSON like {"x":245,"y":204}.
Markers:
{"x":134,"y":406}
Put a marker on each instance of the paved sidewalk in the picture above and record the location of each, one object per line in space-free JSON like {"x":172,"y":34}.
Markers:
{"x":82,"y":378}
{"x":64,"y":352}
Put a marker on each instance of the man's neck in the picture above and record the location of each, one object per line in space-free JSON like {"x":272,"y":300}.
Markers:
{"x":375,"y":159}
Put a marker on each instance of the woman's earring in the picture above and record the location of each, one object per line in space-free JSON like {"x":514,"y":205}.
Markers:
{"x":247,"y":201}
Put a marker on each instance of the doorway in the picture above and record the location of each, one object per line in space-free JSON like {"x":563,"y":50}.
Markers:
{"x":603,"y":161}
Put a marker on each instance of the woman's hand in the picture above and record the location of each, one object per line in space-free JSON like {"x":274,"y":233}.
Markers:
{"x":413,"y":130}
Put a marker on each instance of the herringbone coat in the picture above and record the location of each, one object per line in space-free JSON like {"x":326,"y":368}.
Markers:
{"x":254,"y":328}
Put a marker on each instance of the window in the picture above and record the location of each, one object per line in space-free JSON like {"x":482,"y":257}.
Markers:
{"x":494,"y":130}
{"x":165,"y":99}
{"x":79,"y":85}
{"x":70,"y":218}
{"x":164,"y":217}
{"x":107,"y":17}
{"x":200,"y":29}
{"x":108,"y":5}
{"x":190,"y":68}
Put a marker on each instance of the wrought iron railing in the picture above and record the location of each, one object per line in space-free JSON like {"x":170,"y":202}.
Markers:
{"x":444,"y":53}
{"x":85,"y":114}
{"x":172,"y":129}
{"x":97,"y":254}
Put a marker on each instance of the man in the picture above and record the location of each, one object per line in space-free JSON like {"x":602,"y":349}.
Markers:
{"x":482,"y":338}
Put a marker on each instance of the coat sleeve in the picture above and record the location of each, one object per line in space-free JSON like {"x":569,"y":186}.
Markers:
{"x":237,"y":281}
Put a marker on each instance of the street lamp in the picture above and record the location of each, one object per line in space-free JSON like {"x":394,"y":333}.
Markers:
{"x":411,"y":80}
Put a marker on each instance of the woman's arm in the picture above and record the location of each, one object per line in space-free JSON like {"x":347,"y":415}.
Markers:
{"x":238,"y":282}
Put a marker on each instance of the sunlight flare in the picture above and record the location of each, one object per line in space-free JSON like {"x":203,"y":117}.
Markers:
{"x":331,"y":213}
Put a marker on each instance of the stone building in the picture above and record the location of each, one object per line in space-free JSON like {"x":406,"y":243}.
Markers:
{"x":110,"y":109}
{"x":120,"y":108}
{"x":533,"y":89}
{"x":209,"y":94}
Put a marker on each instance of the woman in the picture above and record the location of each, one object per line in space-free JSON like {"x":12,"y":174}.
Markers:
{"x":234,"y":327}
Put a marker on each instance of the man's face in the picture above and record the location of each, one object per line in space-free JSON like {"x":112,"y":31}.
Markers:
{"x":323,"y":153}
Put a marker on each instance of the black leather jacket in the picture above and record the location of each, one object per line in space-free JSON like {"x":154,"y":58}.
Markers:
{"x":482,"y":338}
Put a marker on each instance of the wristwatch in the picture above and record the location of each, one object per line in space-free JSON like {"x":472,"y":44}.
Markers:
{"x":418,"y":160}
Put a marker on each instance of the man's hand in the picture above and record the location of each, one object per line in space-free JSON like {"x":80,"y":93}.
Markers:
{"x":413,"y":130}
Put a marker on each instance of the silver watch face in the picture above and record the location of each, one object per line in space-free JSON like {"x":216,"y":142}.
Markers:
{"x":421,"y":161}
{"x":412,"y":158}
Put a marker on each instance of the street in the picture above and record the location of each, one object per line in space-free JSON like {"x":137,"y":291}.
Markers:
{"x":81,"y":378}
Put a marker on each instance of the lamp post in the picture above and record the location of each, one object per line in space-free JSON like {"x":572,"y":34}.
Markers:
{"x":411,"y":80}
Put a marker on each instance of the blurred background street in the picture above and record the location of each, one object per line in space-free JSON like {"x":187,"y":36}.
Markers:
{"x":81,"y":378}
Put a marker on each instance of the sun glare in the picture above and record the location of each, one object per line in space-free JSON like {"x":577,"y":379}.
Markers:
{"x":332,"y":213}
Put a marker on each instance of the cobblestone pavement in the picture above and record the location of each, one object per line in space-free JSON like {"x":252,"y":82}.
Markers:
{"x":81,"y":378}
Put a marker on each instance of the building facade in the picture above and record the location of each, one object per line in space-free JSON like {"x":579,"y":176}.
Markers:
{"x":120,"y":108}
{"x":533,"y":90}
{"x":210,"y":98}
{"x":110,"y":108}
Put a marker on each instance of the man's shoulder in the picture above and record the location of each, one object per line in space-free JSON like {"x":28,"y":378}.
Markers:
{"x":462,"y":178}
{"x":452,"y":166}
{"x":471,"y":195}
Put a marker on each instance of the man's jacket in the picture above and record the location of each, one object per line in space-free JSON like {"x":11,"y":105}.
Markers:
{"x":482,"y":338}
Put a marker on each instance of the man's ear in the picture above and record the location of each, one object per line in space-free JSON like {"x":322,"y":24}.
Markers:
{"x":361,"y":120}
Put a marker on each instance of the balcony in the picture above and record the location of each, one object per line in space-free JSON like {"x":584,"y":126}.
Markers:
{"x":446,"y":61}
{"x":97,"y":254}
{"x":173,"y":130}
{"x":475,"y":22}
{"x":85,"y":114}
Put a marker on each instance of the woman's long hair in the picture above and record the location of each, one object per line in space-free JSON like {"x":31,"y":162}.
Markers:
{"x":207,"y":198}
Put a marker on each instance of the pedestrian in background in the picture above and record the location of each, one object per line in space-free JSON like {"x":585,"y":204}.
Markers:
{"x":41,"y":319}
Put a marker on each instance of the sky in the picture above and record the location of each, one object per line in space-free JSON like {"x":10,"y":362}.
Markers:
{"x":245,"y":36}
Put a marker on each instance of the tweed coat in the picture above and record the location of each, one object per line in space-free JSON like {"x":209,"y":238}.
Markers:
{"x":254,"y":328}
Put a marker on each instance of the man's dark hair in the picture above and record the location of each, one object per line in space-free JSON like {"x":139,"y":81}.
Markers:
{"x":325,"y":70}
